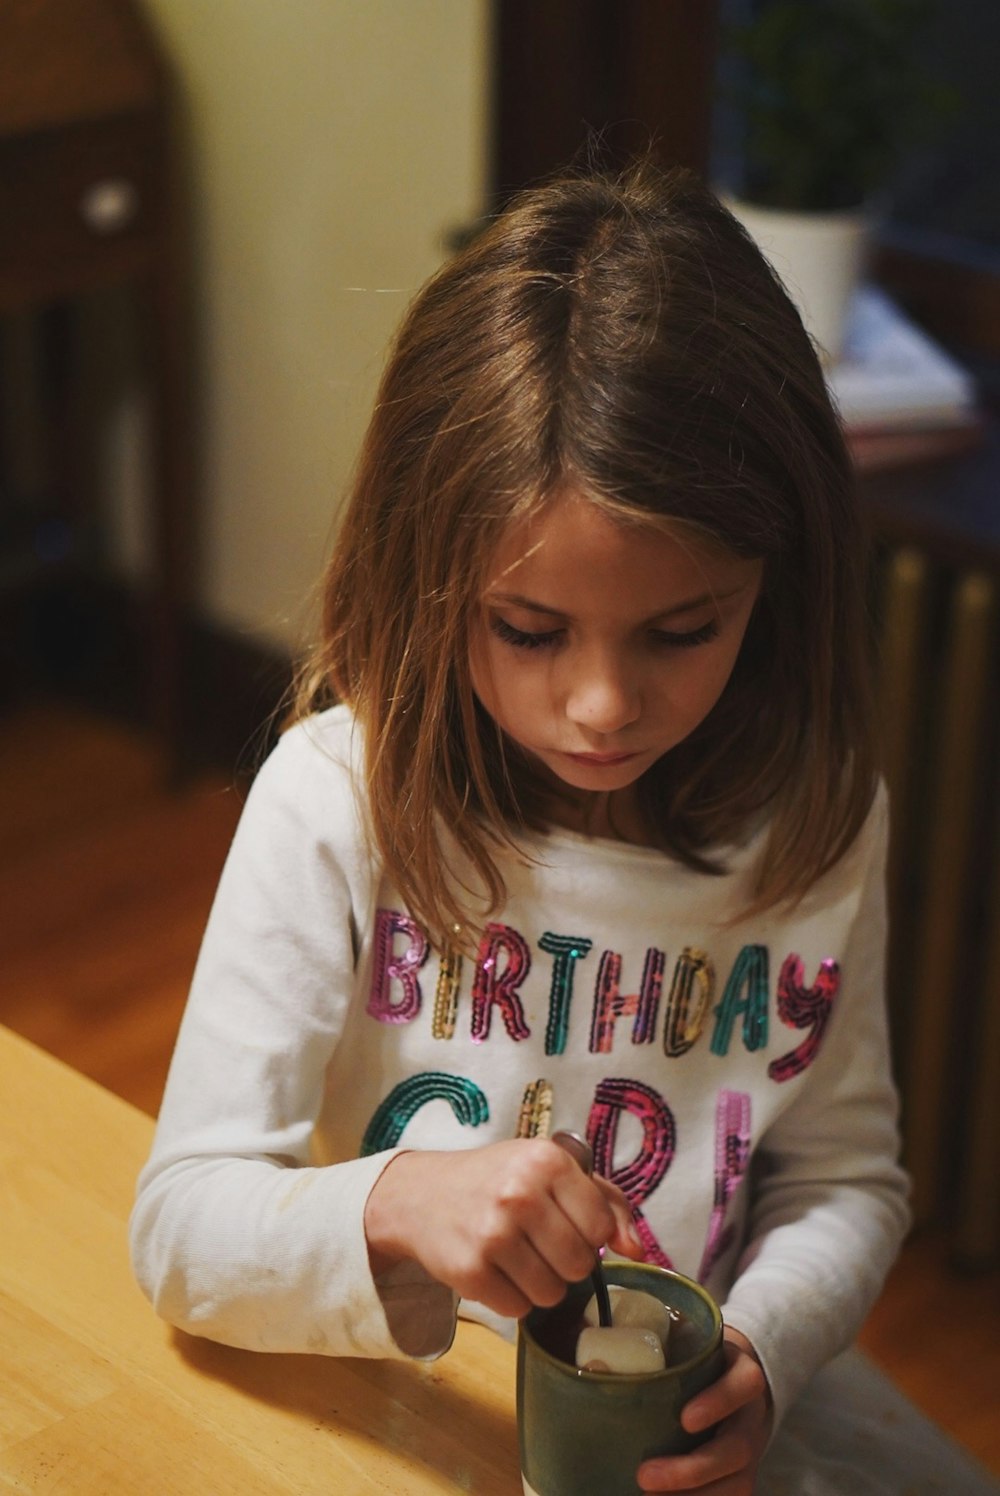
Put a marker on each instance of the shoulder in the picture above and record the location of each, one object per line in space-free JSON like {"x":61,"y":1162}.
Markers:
{"x":332,"y":738}
{"x":323,"y":754}
{"x":870,"y":847}
{"x":856,"y":880}
{"x":310,"y":788}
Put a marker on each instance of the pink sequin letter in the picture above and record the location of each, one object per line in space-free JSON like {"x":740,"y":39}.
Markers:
{"x":388,"y":968}
{"x":492,"y":984}
{"x":732,"y":1154}
{"x":610,"y":1003}
{"x":804,"y":1007}
{"x":639,"y":1178}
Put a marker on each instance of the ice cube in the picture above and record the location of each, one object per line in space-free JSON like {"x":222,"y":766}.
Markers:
{"x":633,"y":1308}
{"x":619,"y":1348}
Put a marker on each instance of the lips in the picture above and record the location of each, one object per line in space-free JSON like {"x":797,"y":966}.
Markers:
{"x":601,"y":760}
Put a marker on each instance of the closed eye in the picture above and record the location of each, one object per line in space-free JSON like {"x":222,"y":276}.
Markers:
{"x":523,"y":639}
{"x":690,"y":640}
{"x":520,"y":638}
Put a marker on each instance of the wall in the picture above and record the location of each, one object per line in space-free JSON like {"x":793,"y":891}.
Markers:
{"x":334,"y":144}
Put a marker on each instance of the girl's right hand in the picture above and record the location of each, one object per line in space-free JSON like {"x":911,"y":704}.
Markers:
{"x":507,"y":1225}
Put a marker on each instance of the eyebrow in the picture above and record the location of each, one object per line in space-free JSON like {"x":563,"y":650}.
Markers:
{"x":517,"y":600}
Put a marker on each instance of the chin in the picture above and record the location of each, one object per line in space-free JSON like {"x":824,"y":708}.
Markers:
{"x":598,"y":778}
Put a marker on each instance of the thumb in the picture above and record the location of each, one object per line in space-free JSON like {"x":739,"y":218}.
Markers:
{"x":624,"y":1239}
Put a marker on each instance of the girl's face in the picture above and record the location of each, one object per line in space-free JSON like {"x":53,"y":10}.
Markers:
{"x":601,"y":646}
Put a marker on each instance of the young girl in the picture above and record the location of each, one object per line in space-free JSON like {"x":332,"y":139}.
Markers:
{"x":578,"y":827}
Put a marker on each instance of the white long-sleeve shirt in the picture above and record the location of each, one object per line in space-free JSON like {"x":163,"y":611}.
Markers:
{"x":733,"y":1076}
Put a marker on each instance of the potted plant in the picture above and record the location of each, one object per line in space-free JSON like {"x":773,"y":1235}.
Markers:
{"x":829,"y":93}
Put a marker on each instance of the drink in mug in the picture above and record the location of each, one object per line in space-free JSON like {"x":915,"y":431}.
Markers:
{"x":585,"y":1433}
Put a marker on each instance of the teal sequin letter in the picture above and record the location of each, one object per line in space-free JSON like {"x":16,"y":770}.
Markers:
{"x":746,"y":993}
{"x":403,"y":1102}
{"x":567,"y":949}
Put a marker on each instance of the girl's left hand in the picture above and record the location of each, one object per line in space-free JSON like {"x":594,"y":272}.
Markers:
{"x":739,"y":1402}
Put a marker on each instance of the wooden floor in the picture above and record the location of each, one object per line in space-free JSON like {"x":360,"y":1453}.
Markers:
{"x":105,"y":883}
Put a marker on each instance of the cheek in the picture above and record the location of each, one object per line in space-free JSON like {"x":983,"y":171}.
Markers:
{"x":491,"y":682}
{"x":703,"y":684}
{"x":515,"y":693}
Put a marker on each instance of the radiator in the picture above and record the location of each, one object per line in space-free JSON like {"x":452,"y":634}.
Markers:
{"x":939,"y":693}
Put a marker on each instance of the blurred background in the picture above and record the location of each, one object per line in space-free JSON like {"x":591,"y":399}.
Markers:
{"x":212,"y":214}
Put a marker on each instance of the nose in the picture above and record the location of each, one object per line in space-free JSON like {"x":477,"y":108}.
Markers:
{"x":603,"y":696}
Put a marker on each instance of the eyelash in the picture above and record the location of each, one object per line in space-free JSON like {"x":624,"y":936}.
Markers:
{"x":522,"y":640}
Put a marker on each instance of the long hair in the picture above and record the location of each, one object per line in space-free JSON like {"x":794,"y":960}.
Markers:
{"x":625,"y":337}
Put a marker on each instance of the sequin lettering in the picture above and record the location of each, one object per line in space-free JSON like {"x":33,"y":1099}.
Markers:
{"x":567,"y":950}
{"x":388,"y":967}
{"x":497,"y":983}
{"x":610,"y":1003}
{"x":804,"y":1007}
{"x":536,"y":1110}
{"x":732,"y":1154}
{"x":639,"y":1178}
{"x":694,"y":978}
{"x":746,"y":993}
{"x":390,"y":1118}
{"x":446,"y":995}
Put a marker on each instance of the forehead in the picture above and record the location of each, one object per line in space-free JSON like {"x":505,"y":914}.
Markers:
{"x":572,"y":546}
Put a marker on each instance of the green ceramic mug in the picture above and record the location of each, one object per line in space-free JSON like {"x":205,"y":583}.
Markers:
{"x":585,"y":1433}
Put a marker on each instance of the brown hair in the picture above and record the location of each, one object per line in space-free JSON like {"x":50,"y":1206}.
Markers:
{"x":623,"y":336}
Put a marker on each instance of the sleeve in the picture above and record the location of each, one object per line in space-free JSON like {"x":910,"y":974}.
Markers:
{"x":829,"y":1209}
{"x":234,"y":1235}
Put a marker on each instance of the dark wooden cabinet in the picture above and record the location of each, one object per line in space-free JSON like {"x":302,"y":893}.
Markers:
{"x":82,"y":205}
{"x":89,"y":199}
{"x":620,"y":77}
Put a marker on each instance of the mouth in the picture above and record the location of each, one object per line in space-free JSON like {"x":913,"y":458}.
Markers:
{"x":601,"y":760}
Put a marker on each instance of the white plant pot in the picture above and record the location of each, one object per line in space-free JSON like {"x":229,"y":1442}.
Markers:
{"x":820,"y":258}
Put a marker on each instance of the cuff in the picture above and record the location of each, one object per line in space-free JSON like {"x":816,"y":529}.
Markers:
{"x":421,"y":1313}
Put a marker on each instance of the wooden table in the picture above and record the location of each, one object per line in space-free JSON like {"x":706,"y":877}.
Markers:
{"x":98,"y":1396}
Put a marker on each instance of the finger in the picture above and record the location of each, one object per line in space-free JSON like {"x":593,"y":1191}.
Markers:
{"x":715,"y":1466}
{"x":530,"y":1249}
{"x":492,"y":1288}
{"x":741,"y":1383}
{"x":740,"y":1484}
{"x":545,"y":1197}
{"x":541,"y":1274}
{"x":510,"y":1279}
{"x":561,"y":1245}
{"x":625,"y":1238}
{"x":584,"y":1203}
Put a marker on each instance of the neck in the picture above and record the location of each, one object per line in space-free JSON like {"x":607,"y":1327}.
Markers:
{"x":616,"y":816}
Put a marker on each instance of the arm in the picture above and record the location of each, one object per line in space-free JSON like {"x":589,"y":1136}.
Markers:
{"x":234,"y":1235}
{"x":828,"y":1216}
{"x":829,"y":1207}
